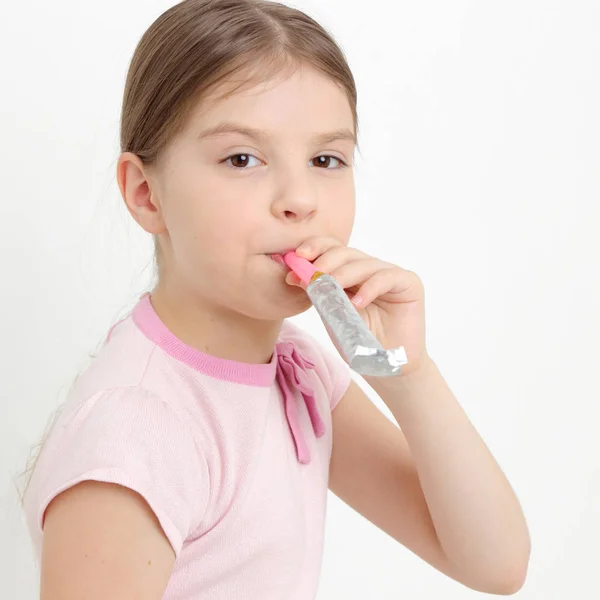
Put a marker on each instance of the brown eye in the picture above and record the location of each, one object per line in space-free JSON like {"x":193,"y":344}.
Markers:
{"x":325,"y":160}
{"x":239,"y":161}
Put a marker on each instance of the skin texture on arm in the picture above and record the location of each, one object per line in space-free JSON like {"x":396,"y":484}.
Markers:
{"x":102,"y":540}
{"x":374,"y":470}
{"x":378,"y":479}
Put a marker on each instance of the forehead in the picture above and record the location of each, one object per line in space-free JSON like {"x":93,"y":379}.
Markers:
{"x":288,"y":98}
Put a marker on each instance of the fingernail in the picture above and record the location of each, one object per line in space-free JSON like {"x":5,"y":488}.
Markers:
{"x":303,"y":249}
{"x":356,"y":300}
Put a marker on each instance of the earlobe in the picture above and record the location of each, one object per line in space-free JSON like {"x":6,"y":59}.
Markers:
{"x":136,"y":191}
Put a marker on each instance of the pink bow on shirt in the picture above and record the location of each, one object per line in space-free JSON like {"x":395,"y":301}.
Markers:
{"x":291,"y":373}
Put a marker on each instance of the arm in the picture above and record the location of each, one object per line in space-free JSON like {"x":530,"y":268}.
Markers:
{"x":102,"y":540}
{"x":433,"y":486}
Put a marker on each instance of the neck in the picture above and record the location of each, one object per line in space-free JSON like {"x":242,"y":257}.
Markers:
{"x":216,"y":331}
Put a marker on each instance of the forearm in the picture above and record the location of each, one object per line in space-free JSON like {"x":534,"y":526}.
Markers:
{"x":477,"y":517}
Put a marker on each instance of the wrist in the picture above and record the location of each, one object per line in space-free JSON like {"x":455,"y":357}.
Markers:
{"x":411,"y":375}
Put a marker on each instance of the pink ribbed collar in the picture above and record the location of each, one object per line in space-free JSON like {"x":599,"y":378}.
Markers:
{"x":287,"y":366}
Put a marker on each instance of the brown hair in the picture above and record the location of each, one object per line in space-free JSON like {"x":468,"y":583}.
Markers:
{"x":198,"y":44}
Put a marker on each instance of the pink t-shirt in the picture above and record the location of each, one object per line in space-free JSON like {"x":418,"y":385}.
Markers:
{"x":233,"y":458}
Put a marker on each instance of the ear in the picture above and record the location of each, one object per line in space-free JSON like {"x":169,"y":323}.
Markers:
{"x":136,"y":189}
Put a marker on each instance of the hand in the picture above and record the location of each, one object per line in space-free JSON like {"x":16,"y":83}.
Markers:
{"x":389,"y":299}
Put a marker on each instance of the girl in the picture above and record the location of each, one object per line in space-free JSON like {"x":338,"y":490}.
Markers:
{"x":192,"y":458}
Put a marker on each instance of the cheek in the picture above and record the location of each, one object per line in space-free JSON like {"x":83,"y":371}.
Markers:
{"x":231,"y":223}
{"x":217,"y":233}
{"x":341,"y":219}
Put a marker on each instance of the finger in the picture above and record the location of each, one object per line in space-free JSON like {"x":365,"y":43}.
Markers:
{"x":377,"y":285}
{"x":337,"y":256}
{"x":292,"y":279}
{"x":316,"y":245}
{"x":356,"y":272}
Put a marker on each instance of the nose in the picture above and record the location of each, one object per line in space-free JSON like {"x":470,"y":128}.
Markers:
{"x":295,"y":198}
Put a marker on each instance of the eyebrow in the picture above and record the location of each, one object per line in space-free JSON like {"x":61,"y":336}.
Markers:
{"x":261,"y":135}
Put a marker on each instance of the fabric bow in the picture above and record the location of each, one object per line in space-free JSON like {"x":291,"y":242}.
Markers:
{"x":291,"y":373}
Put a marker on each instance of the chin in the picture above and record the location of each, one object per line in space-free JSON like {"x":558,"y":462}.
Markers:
{"x":295,"y":304}
{"x":298,"y":307}
{"x":282,"y":304}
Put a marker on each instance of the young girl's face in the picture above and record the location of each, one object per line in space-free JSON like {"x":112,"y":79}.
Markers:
{"x":230,"y":198}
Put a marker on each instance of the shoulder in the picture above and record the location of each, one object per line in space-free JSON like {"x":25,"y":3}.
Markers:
{"x":130,"y":437}
{"x":123,"y":360}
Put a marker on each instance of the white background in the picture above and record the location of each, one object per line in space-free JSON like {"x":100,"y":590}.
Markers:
{"x":480,"y":170}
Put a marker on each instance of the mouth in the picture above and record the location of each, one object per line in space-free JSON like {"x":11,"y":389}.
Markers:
{"x":278,"y":256}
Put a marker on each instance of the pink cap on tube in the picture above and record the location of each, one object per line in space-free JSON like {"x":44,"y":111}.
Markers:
{"x":302,"y":267}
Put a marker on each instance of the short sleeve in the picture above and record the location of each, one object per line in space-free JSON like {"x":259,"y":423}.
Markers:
{"x":130,"y":437}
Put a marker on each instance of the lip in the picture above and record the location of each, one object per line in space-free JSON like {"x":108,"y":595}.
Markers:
{"x":278,"y":258}
{"x":284,"y":251}
{"x":279,"y":254}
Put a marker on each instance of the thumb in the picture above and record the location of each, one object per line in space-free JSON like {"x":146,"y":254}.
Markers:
{"x":292,"y":279}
